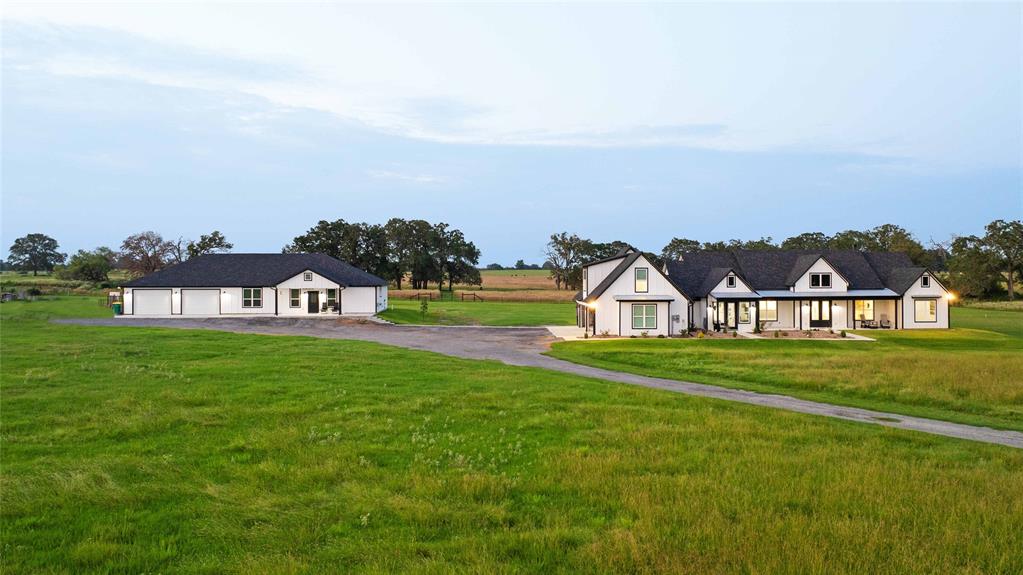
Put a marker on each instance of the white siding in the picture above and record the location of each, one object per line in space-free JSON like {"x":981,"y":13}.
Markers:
{"x":838,"y":284}
{"x":231,"y":302}
{"x":740,"y":286}
{"x":615,"y":317}
{"x":358,"y":301}
{"x":596,"y":274}
{"x":908,"y":319}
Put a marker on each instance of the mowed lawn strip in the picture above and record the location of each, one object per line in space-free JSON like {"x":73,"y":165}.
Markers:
{"x":146,"y":450}
{"x":480,"y":313}
{"x":965,"y":374}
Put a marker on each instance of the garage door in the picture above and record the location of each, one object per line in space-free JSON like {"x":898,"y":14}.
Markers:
{"x":200,"y":302}
{"x":152,"y":301}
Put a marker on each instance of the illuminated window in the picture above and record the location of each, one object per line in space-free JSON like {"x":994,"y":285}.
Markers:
{"x":744,"y":312}
{"x":820,"y":280}
{"x":252,"y":297}
{"x":641,"y":280}
{"x":865,"y":309}
{"x":644,"y":316}
{"x":769,"y":310}
{"x":925,"y":310}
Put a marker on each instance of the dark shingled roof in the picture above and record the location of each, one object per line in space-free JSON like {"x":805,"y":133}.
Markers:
{"x":611,"y":277}
{"x":779,"y":269}
{"x":254,"y":270}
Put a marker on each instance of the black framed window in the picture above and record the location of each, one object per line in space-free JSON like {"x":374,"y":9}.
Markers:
{"x":730,"y":281}
{"x":252,"y":297}
{"x":308,"y":276}
{"x":295,"y":298}
{"x":925,"y":310}
{"x":644,"y":316}
{"x":925,"y":282}
{"x":642,"y":275}
{"x":865,"y":309}
{"x":331,"y":297}
{"x":820,"y":280}
{"x":769,"y":310}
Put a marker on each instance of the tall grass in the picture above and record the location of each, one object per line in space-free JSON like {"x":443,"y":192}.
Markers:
{"x":143,"y":450}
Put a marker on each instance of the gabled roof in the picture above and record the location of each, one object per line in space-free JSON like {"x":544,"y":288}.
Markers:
{"x":610,"y":278}
{"x":627,"y":250}
{"x":255,"y":270}
{"x":699,"y":272}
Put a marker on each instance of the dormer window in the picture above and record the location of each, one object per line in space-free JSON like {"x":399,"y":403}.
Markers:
{"x":308,"y":276}
{"x":730,"y":281}
{"x":820,"y":280}
{"x":925,"y":282}
{"x":641,"y":280}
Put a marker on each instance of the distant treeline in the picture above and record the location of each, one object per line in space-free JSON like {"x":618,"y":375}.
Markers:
{"x":976,"y":265}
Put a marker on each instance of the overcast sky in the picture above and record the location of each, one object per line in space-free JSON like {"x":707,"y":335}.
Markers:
{"x":635,"y":122}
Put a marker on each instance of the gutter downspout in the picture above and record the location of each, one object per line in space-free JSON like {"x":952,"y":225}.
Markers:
{"x":341,"y":288}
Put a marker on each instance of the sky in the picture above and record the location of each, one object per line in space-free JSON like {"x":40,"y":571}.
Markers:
{"x":624,"y":122}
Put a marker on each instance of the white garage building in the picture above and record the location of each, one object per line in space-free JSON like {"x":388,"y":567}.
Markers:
{"x":256,"y":285}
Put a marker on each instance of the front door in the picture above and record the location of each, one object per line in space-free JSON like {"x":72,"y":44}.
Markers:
{"x":820,"y":313}
{"x":314,"y":302}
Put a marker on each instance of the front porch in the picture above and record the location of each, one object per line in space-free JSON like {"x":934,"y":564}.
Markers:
{"x":749,"y":313}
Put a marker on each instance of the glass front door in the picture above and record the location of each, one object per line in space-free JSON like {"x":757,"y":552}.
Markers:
{"x":820,"y":313}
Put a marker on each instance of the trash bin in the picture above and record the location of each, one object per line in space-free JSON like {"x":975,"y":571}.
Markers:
{"x":117,"y":308}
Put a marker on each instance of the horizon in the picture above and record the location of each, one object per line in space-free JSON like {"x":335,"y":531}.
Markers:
{"x":636,"y":123}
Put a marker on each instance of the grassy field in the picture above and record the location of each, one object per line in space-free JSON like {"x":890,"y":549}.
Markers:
{"x":505,"y":285}
{"x":481,"y":313}
{"x":138,"y":450}
{"x":972,"y":373}
{"x":50,"y":283}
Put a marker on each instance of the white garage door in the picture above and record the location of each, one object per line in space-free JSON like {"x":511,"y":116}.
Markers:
{"x":152,"y":301}
{"x":200,"y":302}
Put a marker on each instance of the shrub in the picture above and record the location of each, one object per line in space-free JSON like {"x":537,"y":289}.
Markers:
{"x":775,"y":333}
{"x":644,"y":334}
{"x":699,"y":335}
{"x":660,"y":336}
{"x":842,"y":333}
{"x":735,"y":334}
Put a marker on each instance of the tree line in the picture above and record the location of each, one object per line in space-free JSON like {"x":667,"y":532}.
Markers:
{"x":975,"y":265}
{"x":424,"y":252}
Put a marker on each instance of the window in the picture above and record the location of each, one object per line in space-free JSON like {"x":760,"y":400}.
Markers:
{"x":744,"y":312}
{"x":641,"y":277}
{"x":925,"y":282}
{"x":308,"y":276}
{"x":331,"y":297}
{"x":926,"y":310}
{"x":820,"y":280}
{"x":295,"y":298}
{"x":252,"y":297}
{"x":769,"y":310}
{"x":865,"y":309}
{"x":644,"y":316}
{"x":730,"y":281}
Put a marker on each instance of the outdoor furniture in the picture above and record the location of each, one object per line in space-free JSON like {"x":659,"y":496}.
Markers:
{"x":867,"y":323}
{"x":885,"y":324}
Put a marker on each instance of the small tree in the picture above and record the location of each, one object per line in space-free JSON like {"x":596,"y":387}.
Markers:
{"x":35,"y":252}
{"x":213,"y":243}
{"x":87,"y":266}
{"x":520,"y":265}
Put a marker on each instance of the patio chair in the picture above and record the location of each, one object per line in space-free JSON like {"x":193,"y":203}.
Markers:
{"x":885,"y":324}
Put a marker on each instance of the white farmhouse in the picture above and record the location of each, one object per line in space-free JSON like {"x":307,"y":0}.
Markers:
{"x":775,"y":289}
{"x":243,"y":285}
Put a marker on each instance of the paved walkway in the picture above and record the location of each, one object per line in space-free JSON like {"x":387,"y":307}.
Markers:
{"x":524,"y":347}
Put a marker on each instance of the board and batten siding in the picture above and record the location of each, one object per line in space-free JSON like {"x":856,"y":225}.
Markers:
{"x":838,"y":283}
{"x":907,"y":317}
{"x":615,"y":317}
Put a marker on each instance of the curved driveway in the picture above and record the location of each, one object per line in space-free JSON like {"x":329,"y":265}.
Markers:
{"x":525,"y":346}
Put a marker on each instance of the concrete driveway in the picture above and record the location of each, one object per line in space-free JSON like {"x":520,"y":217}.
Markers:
{"x":524,"y":346}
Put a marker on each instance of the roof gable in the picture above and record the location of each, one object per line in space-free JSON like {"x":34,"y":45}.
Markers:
{"x":625,"y":264}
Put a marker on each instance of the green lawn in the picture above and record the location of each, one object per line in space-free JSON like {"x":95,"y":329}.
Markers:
{"x":965,"y":374}
{"x":481,"y":313}
{"x":144,"y":450}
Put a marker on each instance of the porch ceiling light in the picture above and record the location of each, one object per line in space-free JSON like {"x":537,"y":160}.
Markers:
{"x":950,"y":296}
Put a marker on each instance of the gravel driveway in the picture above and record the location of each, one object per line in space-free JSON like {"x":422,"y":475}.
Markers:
{"x":524,"y":347}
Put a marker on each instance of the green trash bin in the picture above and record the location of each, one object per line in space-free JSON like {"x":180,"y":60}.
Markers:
{"x":117,"y":308}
